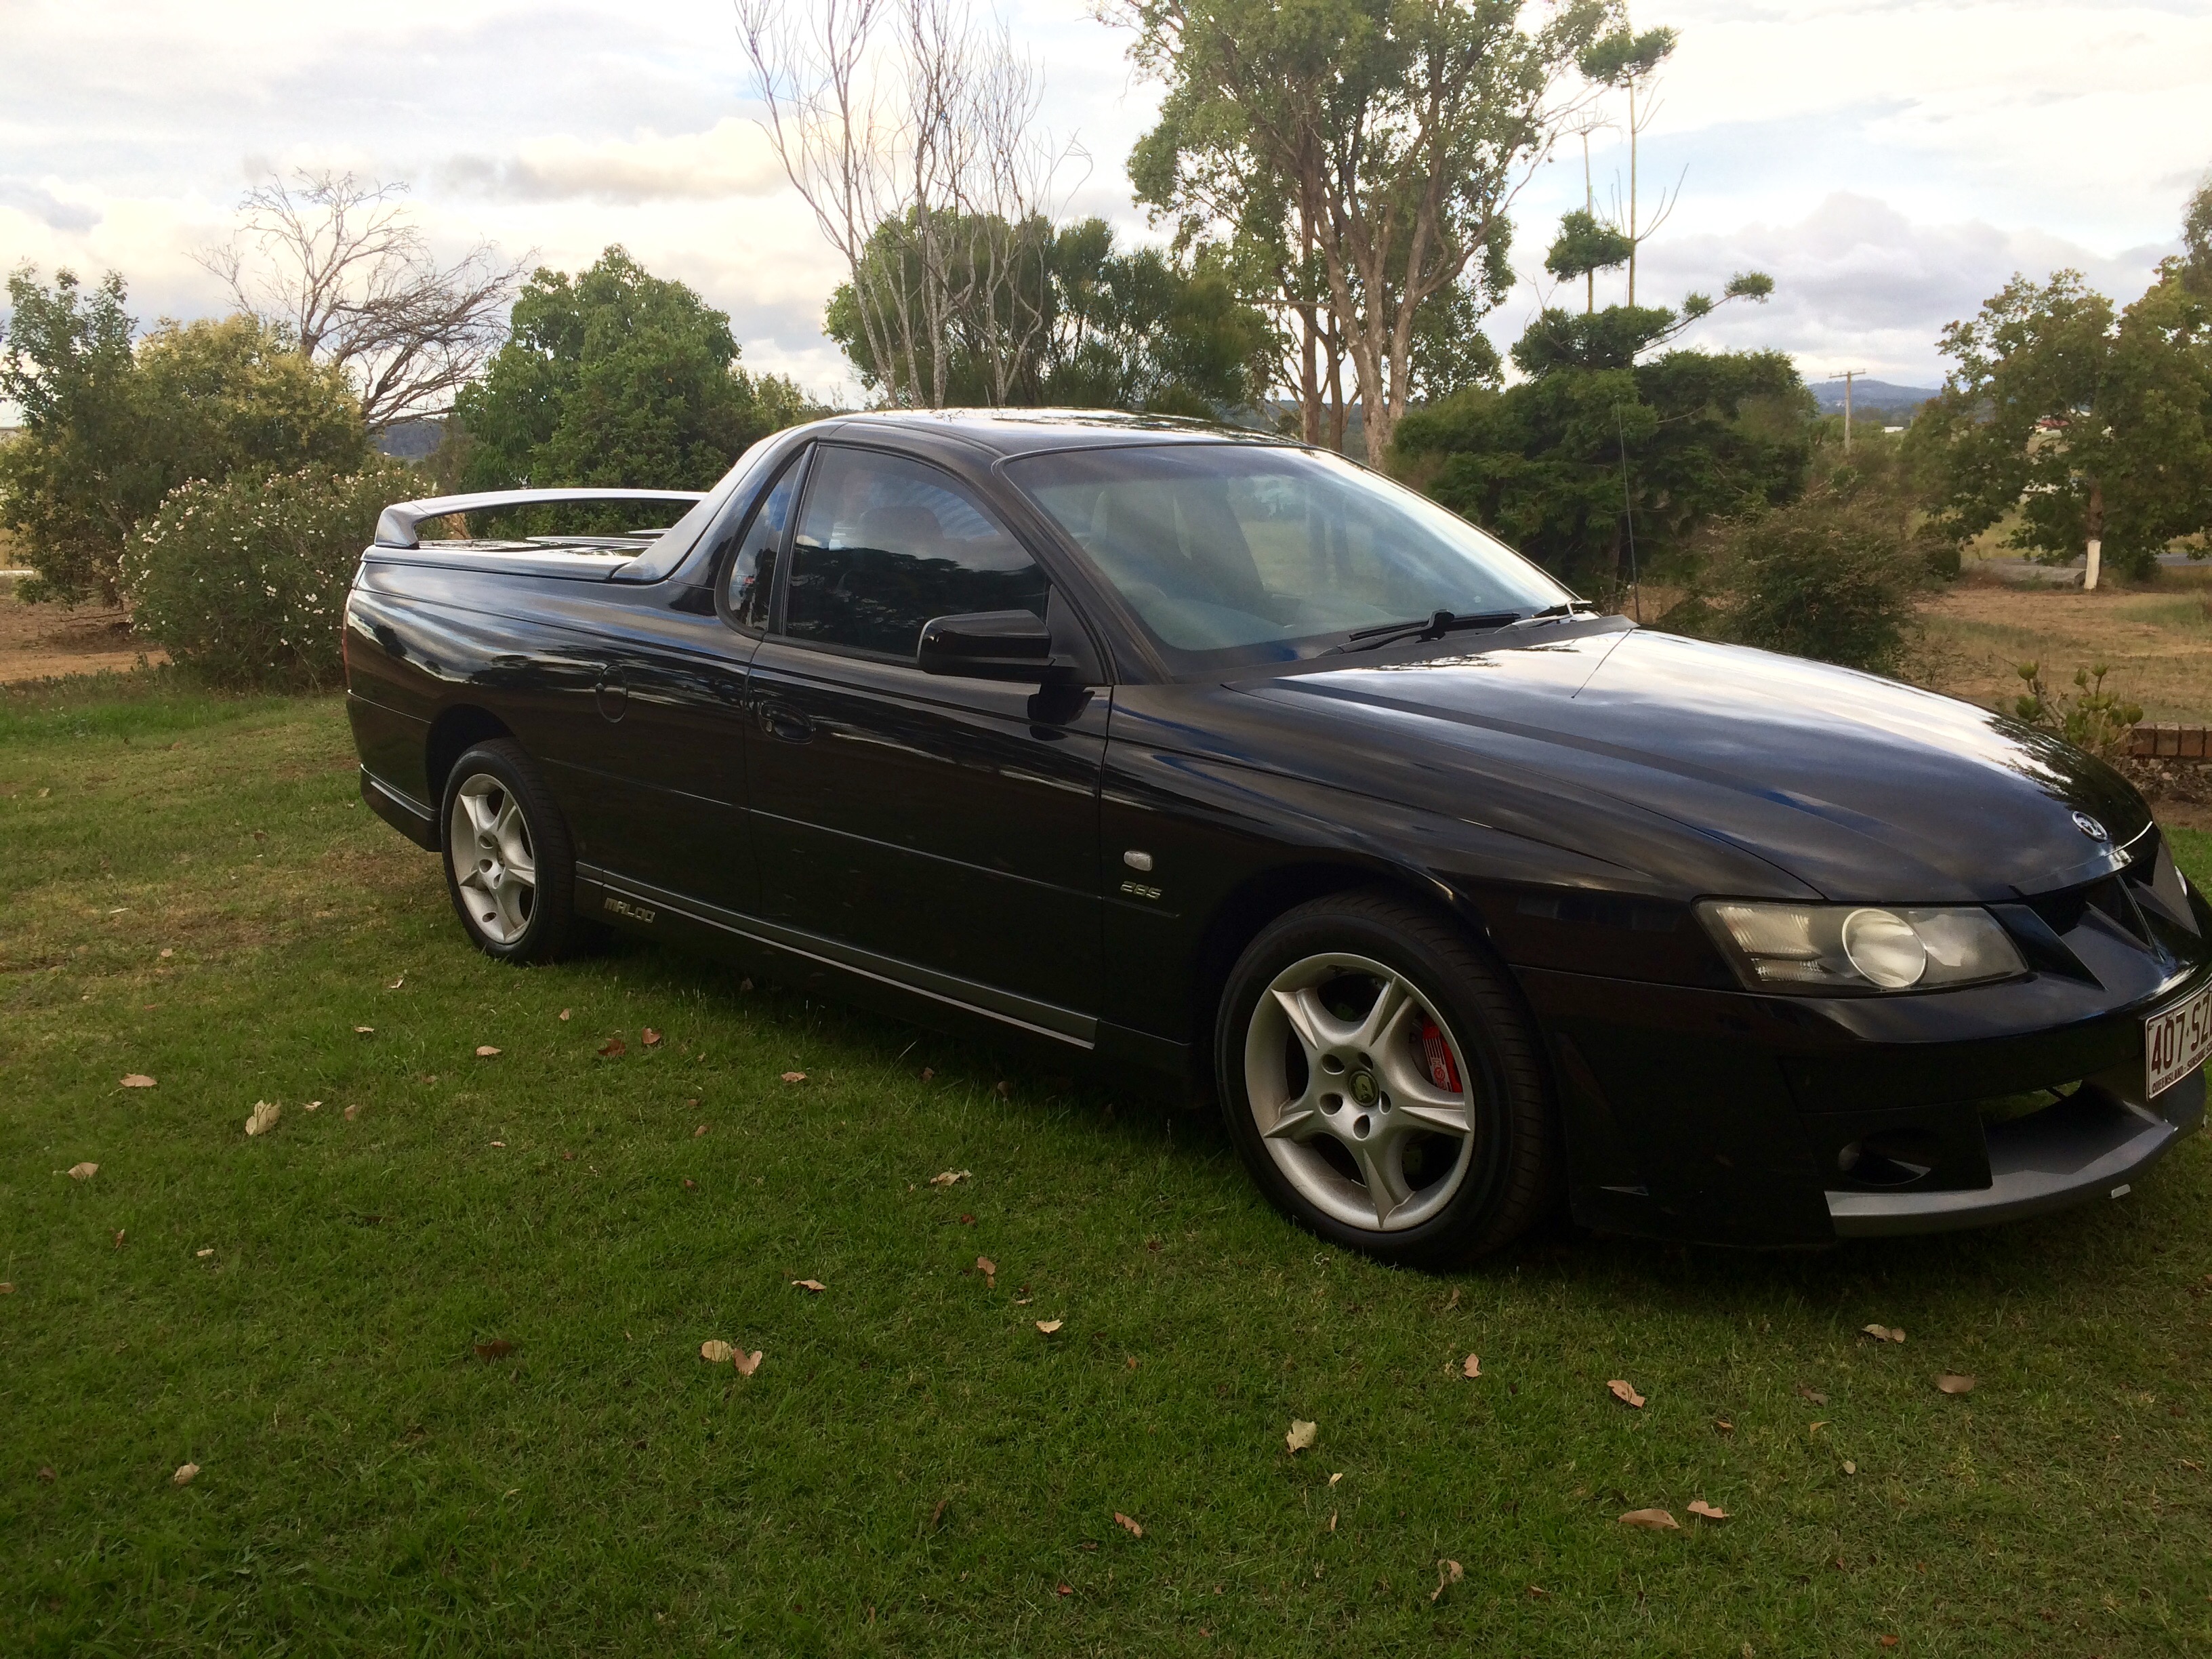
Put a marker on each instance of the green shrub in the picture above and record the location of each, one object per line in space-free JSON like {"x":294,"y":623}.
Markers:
{"x":2089,"y":717}
{"x":244,"y":581}
{"x":1830,"y":577}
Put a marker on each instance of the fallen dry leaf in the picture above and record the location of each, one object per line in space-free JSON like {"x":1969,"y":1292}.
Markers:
{"x":612,"y":1046}
{"x":183,"y":1475}
{"x":1135,"y":1531}
{"x":948,"y":1177}
{"x":363,"y":1030}
{"x":1812,"y":1395}
{"x":7,"y":1287}
{"x":209,"y":1251}
{"x":1472,"y":1368}
{"x":397,"y":984}
{"x":313,"y":1106}
{"x":794,"y":1076}
{"x":697,"y":1132}
{"x":1723,"y":1425}
{"x":118,"y":1238}
{"x":564,"y":1014}
{"x":263,"y":1117}
{"x":1048,"y":1325}
{"x":1338,"y":1476}
{"x":652,"y":1037}
{"x":747,"y":1363}
{"x":498,"y":1348}
{"x":351,"y":1113}
{"x":1889,"y":1641}
{"x":1698,"y":1506}
{"x":689,"y":1184}
{"x":928,"y":1073}
{"x":83,"y":1171}
{"x":137,"y":1080}
{"x":966,"y":1220}
{"x":1448,"y":1572}
{"x":815,"y":1286}
{"x":1626,"y":1393}
{"x":1301,"y":1435}
{"x":166,"y":953}
{"x":46,"y":1474}
{"x":1884,"y":1333}
{"x":1850,"y":1467}
{"x":715,"y":1352}
{"x":1064,"y":1590}
{"x":1949,"y":1382}
{"x":989,"y":1269}
{"x":1003,"y":1091}
{"x":485,"y":1051}
{"x":1656,"y":1519}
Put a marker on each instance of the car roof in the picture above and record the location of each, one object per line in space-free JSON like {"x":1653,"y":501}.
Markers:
{"x":1025,"y":431}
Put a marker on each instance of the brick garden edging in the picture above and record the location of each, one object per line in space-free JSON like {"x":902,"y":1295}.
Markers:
{"x":2171,"y":743}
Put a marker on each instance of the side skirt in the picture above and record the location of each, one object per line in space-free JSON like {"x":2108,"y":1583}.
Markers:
{"x":902,"y":989}
{"x":403,"y":812}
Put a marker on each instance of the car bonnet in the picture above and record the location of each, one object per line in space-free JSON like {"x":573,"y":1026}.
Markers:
{"x":1865,"y":789}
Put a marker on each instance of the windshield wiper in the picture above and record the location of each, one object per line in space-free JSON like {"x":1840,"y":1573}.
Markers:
{"x":1560,"y":612}
{"x":1430,"y":627}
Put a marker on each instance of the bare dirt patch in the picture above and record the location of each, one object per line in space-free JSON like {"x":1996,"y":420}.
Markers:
{"x":46,"y":641}
{"x":2156,"y":639}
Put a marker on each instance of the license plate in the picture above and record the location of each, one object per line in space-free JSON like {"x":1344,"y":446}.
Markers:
{"x":2177,"y":1042}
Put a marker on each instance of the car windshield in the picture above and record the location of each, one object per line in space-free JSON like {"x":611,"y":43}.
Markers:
{"x":1235,"y":552}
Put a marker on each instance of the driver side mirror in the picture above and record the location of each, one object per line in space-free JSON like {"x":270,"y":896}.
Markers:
{"x":989,"y":644}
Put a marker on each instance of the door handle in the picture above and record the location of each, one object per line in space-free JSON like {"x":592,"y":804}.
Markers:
{"x":784,"y":723}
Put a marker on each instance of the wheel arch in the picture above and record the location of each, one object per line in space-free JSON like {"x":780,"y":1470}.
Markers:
{"x":1240,"y":915}
{"x":452,"y":734}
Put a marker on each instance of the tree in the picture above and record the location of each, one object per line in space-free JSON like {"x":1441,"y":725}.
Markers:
{"x":334,"y":262}
{"x":1625,"y":60}
{"x":110,"y":430}
{"x":1376,"y":143}
{"x":1596,"y":451}
{"x":1118,"y":330}
{"x":2094,"y":427}
{"x":929,"y":173}
{"x":2197,"y":242}
{"x":616,"y":377}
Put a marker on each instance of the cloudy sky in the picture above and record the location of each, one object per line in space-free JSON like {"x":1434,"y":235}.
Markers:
{"x":1890,"y":162}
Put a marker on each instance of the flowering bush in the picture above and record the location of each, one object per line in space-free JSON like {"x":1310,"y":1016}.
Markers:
{"x":244,"y":580}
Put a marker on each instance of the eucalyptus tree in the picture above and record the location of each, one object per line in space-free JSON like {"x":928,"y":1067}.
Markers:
{"x":1380,"y":142}
{"x":2088,"y":425}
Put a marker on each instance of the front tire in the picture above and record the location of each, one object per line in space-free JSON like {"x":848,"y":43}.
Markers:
{"x":510,"y":867}
{"x":1383,"y":1083}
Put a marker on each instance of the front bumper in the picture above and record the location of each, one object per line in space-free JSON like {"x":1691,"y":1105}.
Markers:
{"x":1727,"y":1117}
{"x":2093,"y":1144}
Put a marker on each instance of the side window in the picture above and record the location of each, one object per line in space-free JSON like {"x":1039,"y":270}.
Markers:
{"x":750,"y":571}
{"x":886,"y":543}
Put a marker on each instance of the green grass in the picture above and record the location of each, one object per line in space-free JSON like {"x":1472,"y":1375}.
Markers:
{"x":914,"y":1468}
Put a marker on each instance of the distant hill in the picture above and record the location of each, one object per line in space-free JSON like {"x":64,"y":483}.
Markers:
{"x":1875,"y":397}
{"x":410,"y":441}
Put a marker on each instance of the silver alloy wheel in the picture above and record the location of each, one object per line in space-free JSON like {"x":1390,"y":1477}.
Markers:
{"x":1343,"y":1086}
{"x":495,"y":866}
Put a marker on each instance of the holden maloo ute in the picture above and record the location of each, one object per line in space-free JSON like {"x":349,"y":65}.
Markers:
{"x":1220,"y":754}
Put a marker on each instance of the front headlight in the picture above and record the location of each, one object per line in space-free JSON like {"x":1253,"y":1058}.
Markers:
{"x":1859,"y":947}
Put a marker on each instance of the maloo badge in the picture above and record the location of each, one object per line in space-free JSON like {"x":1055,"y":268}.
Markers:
{"x":1363,"y":1088}
{"x":2089,"y":827}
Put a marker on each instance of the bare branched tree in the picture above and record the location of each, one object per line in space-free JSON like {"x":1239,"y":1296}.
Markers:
{"x":910,"y":129}
{"x":337,"y":263}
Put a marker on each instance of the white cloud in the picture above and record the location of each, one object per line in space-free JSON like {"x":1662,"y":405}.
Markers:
{"x":1889,"y":161}
{"x":734,"y":158}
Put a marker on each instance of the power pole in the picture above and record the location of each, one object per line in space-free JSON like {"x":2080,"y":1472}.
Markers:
{"x":1847,"y":375}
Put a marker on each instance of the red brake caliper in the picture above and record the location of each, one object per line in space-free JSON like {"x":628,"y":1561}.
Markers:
{"x":1442,"y":1071}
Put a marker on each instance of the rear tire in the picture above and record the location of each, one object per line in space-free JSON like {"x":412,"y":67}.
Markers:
{"x":510,"y":865}
{"x":1383,"y":1083}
